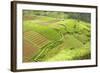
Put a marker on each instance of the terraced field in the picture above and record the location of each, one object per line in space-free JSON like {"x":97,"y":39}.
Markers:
{"x":50,"y":39}
{"x":33,"y":41}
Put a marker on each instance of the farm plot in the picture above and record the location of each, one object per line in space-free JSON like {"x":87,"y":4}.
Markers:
{"x":32,"y":42}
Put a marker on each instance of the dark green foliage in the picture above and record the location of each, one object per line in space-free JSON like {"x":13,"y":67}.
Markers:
{"x":80,"y":16}
{"x":61,"y":15}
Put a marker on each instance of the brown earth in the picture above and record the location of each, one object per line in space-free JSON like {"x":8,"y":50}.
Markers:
{"x":29,"y":17}
{"x":28,"y":51}
{"x":31,"y":44}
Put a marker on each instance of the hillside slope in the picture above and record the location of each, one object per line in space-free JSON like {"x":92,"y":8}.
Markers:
{"x":57,"y":40}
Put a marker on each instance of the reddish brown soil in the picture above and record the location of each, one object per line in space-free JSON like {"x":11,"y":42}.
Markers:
{"x":29,"y":17}
{"x":28,"y":51}
{"x":32,"y":42}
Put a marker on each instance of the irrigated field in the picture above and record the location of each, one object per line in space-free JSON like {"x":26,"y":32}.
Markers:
{"x":47,"y":38}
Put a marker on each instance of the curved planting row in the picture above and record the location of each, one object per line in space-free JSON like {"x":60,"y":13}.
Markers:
{"x":45,"y":49}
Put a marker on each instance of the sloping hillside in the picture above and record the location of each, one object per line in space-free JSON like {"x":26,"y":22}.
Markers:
{"x":56,"y":40}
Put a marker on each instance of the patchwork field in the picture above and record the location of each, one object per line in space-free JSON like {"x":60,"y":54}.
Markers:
{"x":47,"y":38}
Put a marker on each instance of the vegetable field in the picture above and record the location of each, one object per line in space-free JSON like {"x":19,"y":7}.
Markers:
{"x":56,"y":36}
